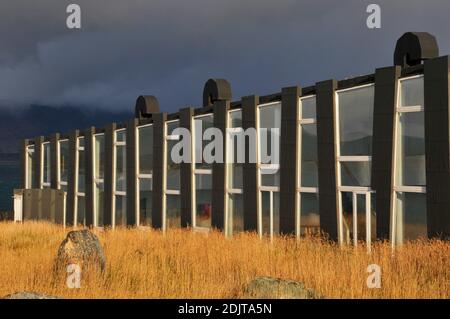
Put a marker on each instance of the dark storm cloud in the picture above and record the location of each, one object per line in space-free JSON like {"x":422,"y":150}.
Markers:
{"x":170,"y":48}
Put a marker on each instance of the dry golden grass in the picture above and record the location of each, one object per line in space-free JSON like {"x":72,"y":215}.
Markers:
{"x":183,"y":264}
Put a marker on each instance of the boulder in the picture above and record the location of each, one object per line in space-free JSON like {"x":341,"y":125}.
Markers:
{"x":81,"y":247}
{"x":29,"y":295}
{"x":274,"y":288}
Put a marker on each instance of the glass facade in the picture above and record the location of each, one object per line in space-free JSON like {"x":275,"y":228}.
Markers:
{"x":353,"y":134}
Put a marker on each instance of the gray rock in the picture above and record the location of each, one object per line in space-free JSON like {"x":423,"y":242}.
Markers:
{"x":274,"y":288}
{"x":29,"y":295}
{"x":80,"y":247}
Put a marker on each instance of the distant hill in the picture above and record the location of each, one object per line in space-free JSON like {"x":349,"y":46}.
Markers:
{"x":36,"y":120}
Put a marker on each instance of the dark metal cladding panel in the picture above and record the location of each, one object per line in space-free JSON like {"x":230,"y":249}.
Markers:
{"x":288,"y":158}
{"x":131,"y":172}
{"x":221,"y":109}
{"x":158,"y":169}
{"x":89,"y":177}
{"x":109,"y":182}
{"x":54,"y":160}
{"x":71,"y":179}
{"x":186,"y":190}
{"x":386,"y":86}
{"x":437,"y":146}
{"x":325,"y":99}
{"x":250,"y":184}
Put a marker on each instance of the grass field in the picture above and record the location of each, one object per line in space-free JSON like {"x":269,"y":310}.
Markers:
{"x":183,"y":264}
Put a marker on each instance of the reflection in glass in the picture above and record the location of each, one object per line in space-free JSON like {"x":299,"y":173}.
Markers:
{"x":269,"y":133}
{"x":355,"y":173}
{"x":173,"y":211}
{"x":145,"y":149}
{"x":356,"y":121}
{"x":412,"y":92}
{"x":63,"y":160}
{"x":47,"y":161}
{"x":120,"y":211}
{"x":309,"y":213}
{"x":235,"y":169}
{"x":99,"y":198}
{"x":235,"y":223}
{"x":145,"y":201}
{"x":203,"y":193}
{"x":308,"y":108}
{"x":411,"y":217}
{"x":411,"y":149}
{"x":309,"y":159}
{"x":201,"y":125}
{"x":81,"y":166}
{"x":99,"y":148}
{"x":347,"y":217}
{"x":81,"y":211}
{"x":121,"y":158}
{"x":265,"y":212}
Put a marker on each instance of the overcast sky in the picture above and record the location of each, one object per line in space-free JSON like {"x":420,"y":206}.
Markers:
{"x":170,"y":48}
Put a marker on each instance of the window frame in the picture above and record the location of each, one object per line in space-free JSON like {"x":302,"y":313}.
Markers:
{"x":95,"y":179}
{"x":43,"y":183}
{"x":198,"y":171}
{"x":139,"y":176}
{"x":116,"y":192}
{"x":77,"y":171}
{"x":29,"y":152}
{"x":60,"y":182}
{"x":299,"y":188}
{"x":260,"y":167}
{"x":396,"y":188}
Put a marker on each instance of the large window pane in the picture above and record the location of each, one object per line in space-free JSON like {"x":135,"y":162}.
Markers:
{"x":308,"y":108}
{"x":347,"y":217}
{"x":276,"y":212}
{"x":121,"y":158}
{"x":411,"y":217}
{"x":355,"y":173}
{"x":81,"y":211}
{"x":120,"y":211}
{"x":201,"y":125}
{"x":356,"y":121}
{"x":173,"y":169}
{"x":269,"y":133}
{"x":203,"y":193}
{"x":411,"y":150}
{"x":411,"y":92}
{"x":30,"y":171}
{"x":64,"y":160}
{"x":235,"y":169}
{"x":265,"y":212}
{"x":173,"y":211}
{"x":235,"y":214}
{"x":81,"y":166}
{"x":99,"y":156}
{"x":309,"y":165}
{"x":146,"y":149}
{"x":309,"y":213}
{"x":99,"y":198}
{"x":145,"y":202}
{"x":47,"y":161}
{"x":270,"y":177}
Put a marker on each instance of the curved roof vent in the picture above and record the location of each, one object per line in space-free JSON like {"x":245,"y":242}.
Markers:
{"x":216,"y":90}
{"x":414,"y":47}
{"x":146,"y":105}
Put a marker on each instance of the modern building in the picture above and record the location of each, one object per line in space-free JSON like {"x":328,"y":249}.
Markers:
{"x":360,"y":159}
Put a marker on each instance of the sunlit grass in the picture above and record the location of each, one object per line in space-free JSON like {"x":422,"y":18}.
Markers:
{"x":183,"y":264}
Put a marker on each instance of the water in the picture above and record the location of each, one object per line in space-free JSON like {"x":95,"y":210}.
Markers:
{"x":9,"y":179}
